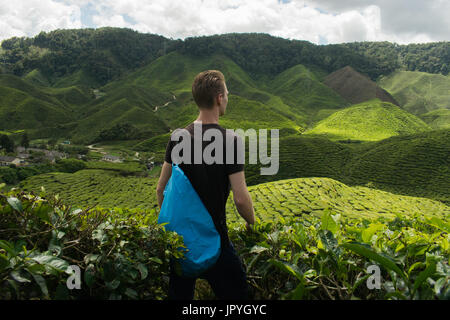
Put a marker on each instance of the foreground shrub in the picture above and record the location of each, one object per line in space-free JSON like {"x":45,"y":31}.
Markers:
{"x":124,"y":253}
{"x":308,"y":257}
{"x":121,"y":253}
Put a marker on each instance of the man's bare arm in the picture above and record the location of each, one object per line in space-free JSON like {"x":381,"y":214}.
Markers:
{"x":241,"y":196}
{"x":166,"y":171}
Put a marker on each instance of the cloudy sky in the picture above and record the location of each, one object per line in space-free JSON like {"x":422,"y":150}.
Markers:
{"x":317,"y":21}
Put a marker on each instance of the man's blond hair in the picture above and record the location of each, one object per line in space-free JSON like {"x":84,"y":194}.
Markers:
{"x":207,"y":85}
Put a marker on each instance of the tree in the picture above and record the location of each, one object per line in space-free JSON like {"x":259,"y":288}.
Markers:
{"x":25,"y":142}
{"x":70,"y":165}
{"x":6,"y":143}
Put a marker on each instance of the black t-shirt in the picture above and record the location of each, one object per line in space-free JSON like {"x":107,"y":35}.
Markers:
{"x":210,"y":181}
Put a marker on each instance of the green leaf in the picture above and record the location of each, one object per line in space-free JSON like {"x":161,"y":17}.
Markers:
{"x":100,"y":235}
{"x":360,"y":281}
{"x":368,"y":233}
{"x":4,"y":262}
{"x":113,"y":284}
{"x":18,"y":277}
{"x":131,"y":293}
{"x":369,"y":253}
{"x":290,"y":269}
{"x":156,"y":259}
{"x":258,"y":249}
{"x":415,"y":265}
{"x":328,"y":222}
{"x":143,"y":270}
{"x":438,"y":223}
{"x":36,"y":268}
{"x":329,"y":241}
{"x":13,"y":285}
{"x":8,"y":247}
{"x":396,"y":294}
{"x":41,"y":282}
{"x":439,"y":284}
{"x":90,"y":257}
{"x":43,"y":212}
{"x":52,"y":261}
{"x":15,"y":203}
{"x":298,"y":292}
{"x":428,"y":272}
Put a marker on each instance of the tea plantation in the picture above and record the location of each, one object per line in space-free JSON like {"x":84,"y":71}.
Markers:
{"x":314,"y":239}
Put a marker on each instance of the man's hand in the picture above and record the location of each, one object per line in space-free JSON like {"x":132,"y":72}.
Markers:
{"x":249,"y":227}
{"x":241,"y":196}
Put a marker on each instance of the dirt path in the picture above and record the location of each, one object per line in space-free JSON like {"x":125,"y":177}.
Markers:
{"x":166,"y":104}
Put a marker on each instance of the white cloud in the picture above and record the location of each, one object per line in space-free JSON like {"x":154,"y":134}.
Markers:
{"x":312,"y":20}
{"x":27,"y":18}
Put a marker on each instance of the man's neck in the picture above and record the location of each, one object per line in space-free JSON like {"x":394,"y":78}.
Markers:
{"x":208,"y":116}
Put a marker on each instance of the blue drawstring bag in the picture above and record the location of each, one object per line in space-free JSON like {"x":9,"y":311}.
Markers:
{"x":184,"y":212}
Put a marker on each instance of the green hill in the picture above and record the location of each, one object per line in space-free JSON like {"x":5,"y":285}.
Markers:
{"x":356,"y":87}
{"x":174,"y":73}
{"x":65,"y":98}
{"x":126,"y":103}
{"x":281,"y":79}
{"x":154,"y":99}
{"x":20,"y":110}
{"x":416,"y":165}
{"x":303,"y":156}
{"x":301,"y":89}
{"x":369,"y":121}
{"x":171,"y":77}
{"x":119,"y":112}
{"x":437,"y":119}
{"x":418,"y":92}
{"x":42,"y":111}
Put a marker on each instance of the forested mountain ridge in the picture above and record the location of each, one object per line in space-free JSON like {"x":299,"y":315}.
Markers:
{"x":103,"y":54}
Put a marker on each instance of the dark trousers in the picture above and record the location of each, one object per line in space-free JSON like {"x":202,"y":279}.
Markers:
{"x":227,"y":279}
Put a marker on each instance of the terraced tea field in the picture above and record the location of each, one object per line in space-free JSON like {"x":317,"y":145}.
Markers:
{"x":295,"y":197}
{"x":369,"y":121}
{"x":291,"y":197}
{"x":414,"y":165}
{"x":101,"y":187}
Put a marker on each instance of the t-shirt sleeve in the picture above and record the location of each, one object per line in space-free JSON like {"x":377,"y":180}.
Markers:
{"x":169,"y":147}
{"x":238,"y":161}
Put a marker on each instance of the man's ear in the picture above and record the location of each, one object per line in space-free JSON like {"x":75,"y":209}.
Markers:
{"x":218,"y":99}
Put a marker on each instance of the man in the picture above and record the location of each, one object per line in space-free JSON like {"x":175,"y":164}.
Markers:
{"x":212,"y":183}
